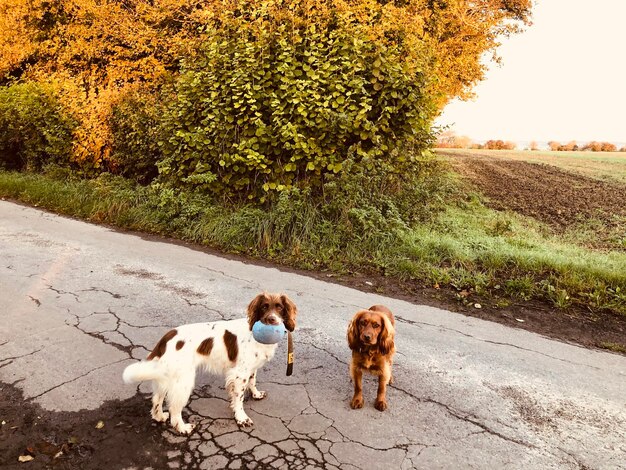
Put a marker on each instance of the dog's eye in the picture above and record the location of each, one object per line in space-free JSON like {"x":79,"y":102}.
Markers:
{"x":363,"y":322}
{"x":279,"y":307}
{"x":264,"y":307}
{"x":375,"y":325}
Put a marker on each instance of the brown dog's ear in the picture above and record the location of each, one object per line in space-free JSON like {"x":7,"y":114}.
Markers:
{"x":254,"y":309}
{"x":386,"y":338}
{"x":289,"y":313}
{"x":353,"y":332}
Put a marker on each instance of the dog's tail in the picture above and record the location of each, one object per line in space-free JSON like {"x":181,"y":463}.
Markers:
{"x":141,"y":371}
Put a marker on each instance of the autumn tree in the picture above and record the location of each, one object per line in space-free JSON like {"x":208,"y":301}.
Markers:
{"x":554,"y":145}
{"x":96,"y":52}
{"x":499,"y":145}
{"x":608,"y":147}
{"x":448,"y":139}
{"x":595,"y":146}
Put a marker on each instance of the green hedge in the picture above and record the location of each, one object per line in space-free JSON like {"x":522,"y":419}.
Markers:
{"x":255,"y":115}
{"x":135,"y":125}
{"x":34,"y":129}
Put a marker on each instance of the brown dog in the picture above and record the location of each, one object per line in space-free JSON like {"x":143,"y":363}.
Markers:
{"x":371,"y":339}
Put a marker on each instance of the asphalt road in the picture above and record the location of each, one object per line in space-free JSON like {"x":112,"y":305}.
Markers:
{"x":79,"y":302}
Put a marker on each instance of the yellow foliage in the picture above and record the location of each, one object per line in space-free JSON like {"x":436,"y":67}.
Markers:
{"x":95,"y":50}
{"x":15,"y":43}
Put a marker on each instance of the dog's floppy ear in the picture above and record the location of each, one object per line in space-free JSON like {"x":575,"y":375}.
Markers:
{"x":289,"y":313}
{"x":386,"y":338}
{"x":354,"y":340}
{"x":254,"y":309}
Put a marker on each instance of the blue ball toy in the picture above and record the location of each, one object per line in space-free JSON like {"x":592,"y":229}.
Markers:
{"x":268,"y":334}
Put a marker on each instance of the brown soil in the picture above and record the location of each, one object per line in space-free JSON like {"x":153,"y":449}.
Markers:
{"x":63,"y":440}
{"x":545,"y":192}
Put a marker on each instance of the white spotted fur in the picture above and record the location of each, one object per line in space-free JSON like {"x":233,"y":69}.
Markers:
{"x":173,"y":375}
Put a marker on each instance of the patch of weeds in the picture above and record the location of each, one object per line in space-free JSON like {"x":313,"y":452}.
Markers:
{"x":500,"y":227}
{"x":615,"y":347}
{"x":522,"y":287}
{"x":503,"y":303}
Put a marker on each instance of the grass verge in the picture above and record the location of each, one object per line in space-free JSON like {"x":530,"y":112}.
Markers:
{"x":463,"y":245}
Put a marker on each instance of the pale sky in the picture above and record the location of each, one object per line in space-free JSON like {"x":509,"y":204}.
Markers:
{"x":562,"y":79}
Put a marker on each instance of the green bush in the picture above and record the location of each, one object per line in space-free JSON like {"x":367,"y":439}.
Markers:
{"x":34,"y":128}
{"x":135,"y":122}
{"x":258,"y":114}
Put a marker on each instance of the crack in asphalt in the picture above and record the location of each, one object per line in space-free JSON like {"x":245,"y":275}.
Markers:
{"x":98,"y":289}
{"x":458,"y":415}
{"x":74,"y":379}
{"x":5,"y":361}
{"x":315,"y":346}
{"x":222,"y":273}
{"x":198,"y":304}
{"x":62,"y":292}
{"x":37,"y":301}
{"x":576,"y":461}
{"x":498,"y":343}
{"x":99,"y":335}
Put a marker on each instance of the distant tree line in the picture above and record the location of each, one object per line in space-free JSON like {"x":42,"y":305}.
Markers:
{"x":592,"y":146}
{"x":448,"y":139}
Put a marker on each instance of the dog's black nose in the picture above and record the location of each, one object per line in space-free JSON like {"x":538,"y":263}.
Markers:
{"x":367,"y":337}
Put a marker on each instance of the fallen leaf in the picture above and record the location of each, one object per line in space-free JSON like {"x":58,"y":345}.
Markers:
{"x":100,"y":425}
{"x":478,"y":306}
{"x":464,"y":293}
{"x":25,"y":458}
{"x":58,"y":454}
{"x":436,"y":286}
{"x":520,"y":320}
{"x":73,"y":440}
{"x":369,"y":283}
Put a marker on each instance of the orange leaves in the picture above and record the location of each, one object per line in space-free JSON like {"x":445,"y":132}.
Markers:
{"x":15,"y":44}
{"x":94,"y":50}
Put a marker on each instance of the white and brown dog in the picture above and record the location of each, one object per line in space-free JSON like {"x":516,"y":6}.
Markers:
{"x":222,"y":347}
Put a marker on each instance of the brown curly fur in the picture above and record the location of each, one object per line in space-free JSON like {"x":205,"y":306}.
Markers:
{"x":371,"y":338}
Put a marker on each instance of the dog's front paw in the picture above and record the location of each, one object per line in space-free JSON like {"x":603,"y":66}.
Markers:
{"x":380,"y":405}
{"x":185,"y":428}
{"x":244,"y":422}
{"x":356,"y":403}
{"x":259,"y":395}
